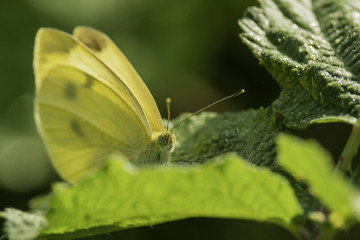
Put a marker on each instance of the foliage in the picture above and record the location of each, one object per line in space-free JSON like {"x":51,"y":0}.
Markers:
{"x":243,"y":165}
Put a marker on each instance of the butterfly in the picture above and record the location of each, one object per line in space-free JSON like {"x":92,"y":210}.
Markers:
{"x":91,"y":103}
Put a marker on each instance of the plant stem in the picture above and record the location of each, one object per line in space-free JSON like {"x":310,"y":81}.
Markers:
{"x":350,"y":150}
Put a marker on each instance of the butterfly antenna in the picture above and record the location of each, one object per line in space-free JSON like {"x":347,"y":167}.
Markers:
{"x":237,"y":93}
{"x":168,"y":102}
{"x":178,"y":154}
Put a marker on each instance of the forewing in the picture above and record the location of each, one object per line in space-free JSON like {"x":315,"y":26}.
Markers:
{"x":56,"y":48}
{"x":104,"y":48}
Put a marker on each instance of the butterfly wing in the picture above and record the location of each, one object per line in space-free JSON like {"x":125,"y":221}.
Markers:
{"x":105,"y":49}
{"x":83,"y":110}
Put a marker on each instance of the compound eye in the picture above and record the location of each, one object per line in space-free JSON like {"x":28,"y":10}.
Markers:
{"x":163,"y":140}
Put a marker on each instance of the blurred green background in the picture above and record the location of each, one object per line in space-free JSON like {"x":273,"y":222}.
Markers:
{"x":188,"y":50}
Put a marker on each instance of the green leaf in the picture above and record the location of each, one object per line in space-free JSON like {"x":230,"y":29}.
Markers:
{"x":312,"y":48}
{"x":309,"y":162}
{"x":122,"y":196}
{"x":299,"y":109}
{"x":250,"y":133}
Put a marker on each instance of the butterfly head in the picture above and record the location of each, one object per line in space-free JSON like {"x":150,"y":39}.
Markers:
{"x":167,"y":140}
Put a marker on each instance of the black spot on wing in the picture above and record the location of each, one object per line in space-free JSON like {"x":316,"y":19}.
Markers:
{"x":70,"y":91}
{"x":89,"y":82}
{"x":94,"y":42}
{"x":75,"y":127}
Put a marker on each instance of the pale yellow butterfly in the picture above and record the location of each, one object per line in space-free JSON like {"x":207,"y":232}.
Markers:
{"x":91,"y":103}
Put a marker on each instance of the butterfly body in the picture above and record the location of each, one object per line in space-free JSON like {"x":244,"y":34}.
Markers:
{"x":91,"y":103}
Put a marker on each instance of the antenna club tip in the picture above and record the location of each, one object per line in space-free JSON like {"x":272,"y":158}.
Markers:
{"x":168,"y":100}
{"x":238,"y":93}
